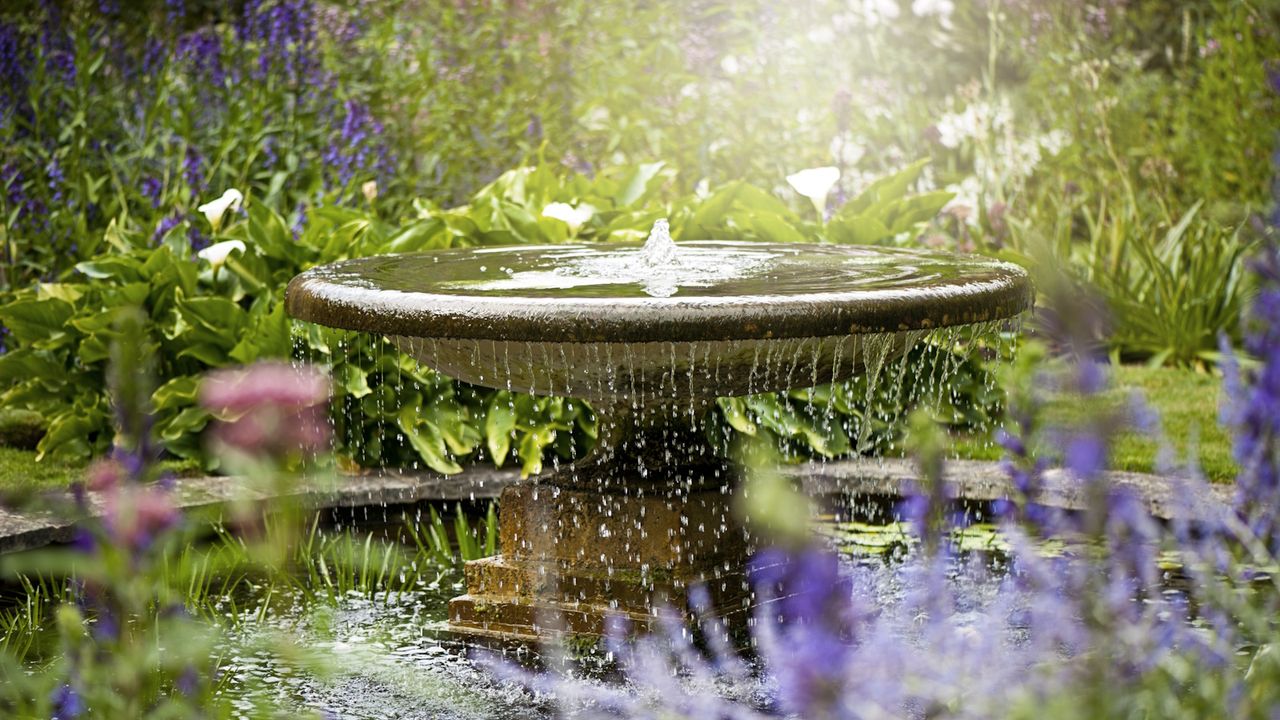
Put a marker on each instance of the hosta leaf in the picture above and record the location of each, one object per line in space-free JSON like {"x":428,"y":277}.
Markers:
{"x":427,"y":440}
{"x":37,"y":321}
{"x":499,"y":426}
{"x":532,"y":445}
{"x":735,"y":413}
{"x":178,"y":392}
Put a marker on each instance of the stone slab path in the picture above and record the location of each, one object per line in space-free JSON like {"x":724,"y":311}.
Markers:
{"x":972,"y":480}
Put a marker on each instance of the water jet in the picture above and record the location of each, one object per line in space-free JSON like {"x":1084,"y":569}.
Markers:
{"x":651,"y":334}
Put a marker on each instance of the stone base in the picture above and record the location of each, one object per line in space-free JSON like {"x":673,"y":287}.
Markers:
{"x":573,"y":558}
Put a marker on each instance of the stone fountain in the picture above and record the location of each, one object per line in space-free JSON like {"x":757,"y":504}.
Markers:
{"x":651,"y":334}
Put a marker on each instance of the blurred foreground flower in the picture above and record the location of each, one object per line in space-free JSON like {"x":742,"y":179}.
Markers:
{"x":269,"y":409}
{"x":815,"y":184}
{"x":215,"y":209}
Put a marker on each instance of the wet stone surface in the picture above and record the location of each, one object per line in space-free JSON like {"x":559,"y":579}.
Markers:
{"x":24,"y":530}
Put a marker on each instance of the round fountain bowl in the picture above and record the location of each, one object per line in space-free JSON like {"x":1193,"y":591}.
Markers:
{"x":601,"y":322}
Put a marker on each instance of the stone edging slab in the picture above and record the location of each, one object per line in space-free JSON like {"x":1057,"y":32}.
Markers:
{"x":971,"y":480}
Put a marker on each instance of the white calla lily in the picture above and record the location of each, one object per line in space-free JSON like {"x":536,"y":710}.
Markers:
{"x":575,"y":218}
{"x":215,"y":209}
{"x":218,"y":253}
{"x":815,"y":184}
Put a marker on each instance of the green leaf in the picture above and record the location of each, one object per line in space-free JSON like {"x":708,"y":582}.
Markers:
{"x":637,"y":186}
{"x":499,"y":425}
{"x":37,"y":321}
{"x":178,"y":392}
{"x":427,"y":440}
{"x":532,"y":445}
{"x":857,"y":230}
{"x":428,"y":234}
{"x":187,"y":422}
{"x":774,"y":229}
{"x":113,"y":267}
{"x":885,"y":189}
{"x":353,"y":380}
{"x":908,"y":212}
{"x":711,"y":212}
{"x":28,"y":364}
{"x":735,"y":413}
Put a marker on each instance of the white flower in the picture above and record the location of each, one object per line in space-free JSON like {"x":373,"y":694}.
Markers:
{"x":215,"y":209}
{"x":370,"y":190}
{"x":968,"y":197}
{"x":1055,"y":141}
{"x":880,"y":11}
{"x":823,"y":35}
{"x":846,"y":149}
{"x":218,"y":253}
{"x":575,"y":218}
{"x":730,"y":65}
{"x":814,"y":184}
{"x":941,"y":8}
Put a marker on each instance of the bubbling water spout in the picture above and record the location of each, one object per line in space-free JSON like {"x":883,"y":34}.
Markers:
{"x":659,"y":249}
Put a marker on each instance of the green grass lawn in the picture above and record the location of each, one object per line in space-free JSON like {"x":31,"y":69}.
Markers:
{"x":21,"y":474}
{"x":1187,"y":402}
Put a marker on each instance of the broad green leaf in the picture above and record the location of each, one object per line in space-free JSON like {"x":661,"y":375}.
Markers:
{"x":426,"y":234}
{"x":885,"y":189}
{"x":857,"y":230}
{"x":353,"y":380}
{"x":532,"y":445}
{"x":34,"y":321}
{"x":427,"y":441}
{"x":499,"y":425}
{"x":176,"y":393}
{"x":773,"y":228}
{"x":114,"y":267}
{"x":906,"y":213}
{"x":637,"y":186}
{"x":735,"y":413}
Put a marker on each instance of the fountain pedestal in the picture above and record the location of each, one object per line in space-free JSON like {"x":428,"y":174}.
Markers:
{"x":626,"y":530}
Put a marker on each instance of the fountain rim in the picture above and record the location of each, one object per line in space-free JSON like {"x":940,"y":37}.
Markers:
{"x":1002,"y":290}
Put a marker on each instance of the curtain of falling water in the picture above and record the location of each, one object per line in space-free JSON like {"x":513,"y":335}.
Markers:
{"x":894,"y":378}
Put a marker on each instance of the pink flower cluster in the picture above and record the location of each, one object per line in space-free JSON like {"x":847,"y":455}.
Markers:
{"x":270,"y":409}
{"x":133,"y":514}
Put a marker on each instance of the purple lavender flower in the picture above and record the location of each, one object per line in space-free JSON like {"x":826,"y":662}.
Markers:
{"x":15,"y":58}
{"x":193,"y":170}
{"x":153,"y":57}
{"x":202,"y":50}
{"x":55,"y":179}
{"x":163,"y":228}
{"x":152,"y":189}
{"x":67,"y":703}
{"x":1252,"y":407}
{"x":197,"y":239}
{"x":284,"y":32}
{"x":55,"y":45}
{"x":175,"y":11}
{"x":357,"y":146}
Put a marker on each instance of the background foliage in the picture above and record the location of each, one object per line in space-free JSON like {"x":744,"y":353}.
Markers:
{"x":1124,"y":142}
